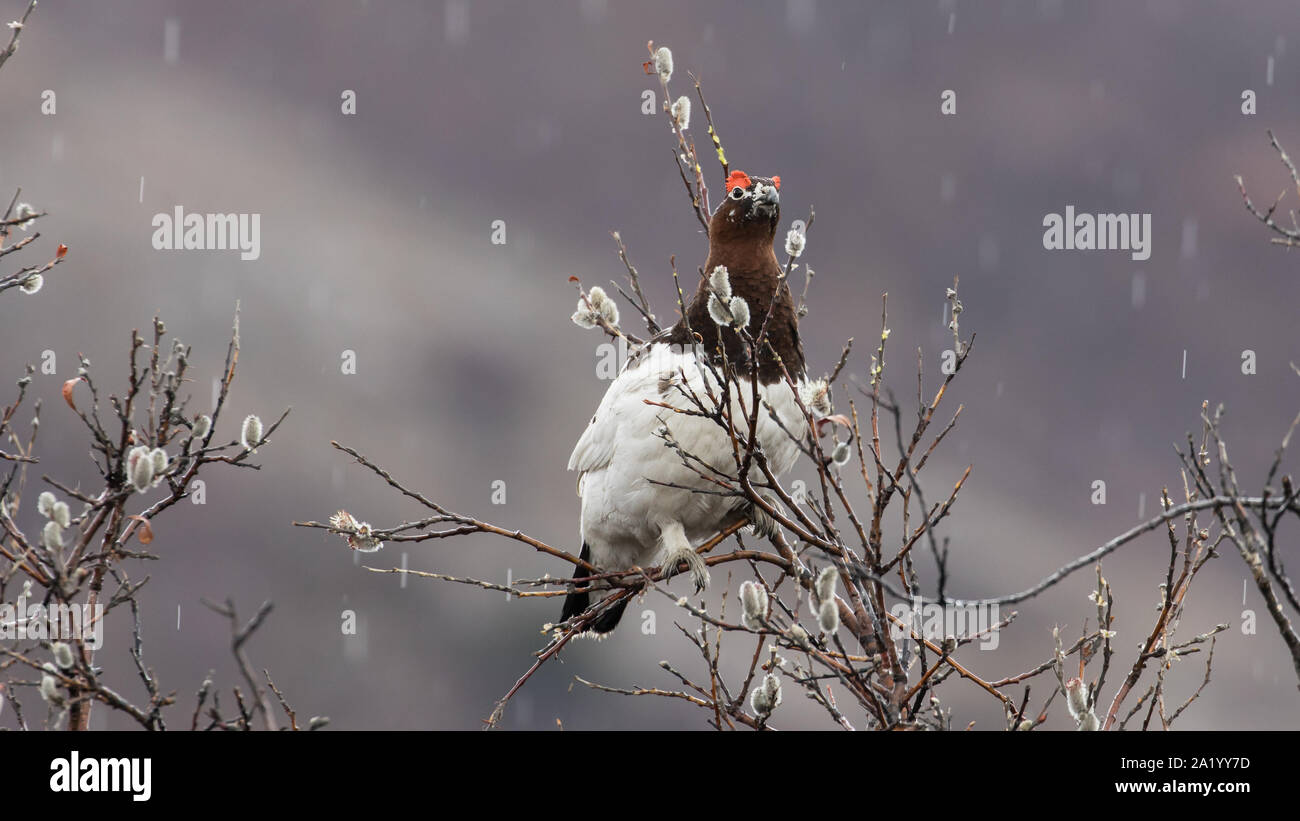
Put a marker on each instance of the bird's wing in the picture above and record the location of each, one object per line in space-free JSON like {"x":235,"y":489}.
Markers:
{"x":596,"y":445}
{"x":624,"y":403}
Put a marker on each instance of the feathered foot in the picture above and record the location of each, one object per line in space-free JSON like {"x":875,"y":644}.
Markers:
{"x":677,"y":548}
{"x":762,"y":524}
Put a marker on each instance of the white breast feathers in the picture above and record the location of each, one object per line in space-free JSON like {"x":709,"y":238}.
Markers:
{"x":634,"y":485}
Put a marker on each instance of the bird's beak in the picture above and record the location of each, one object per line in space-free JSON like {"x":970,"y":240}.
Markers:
{"x":766,"y":200}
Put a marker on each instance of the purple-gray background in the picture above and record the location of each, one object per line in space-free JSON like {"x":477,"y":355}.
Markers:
{"x":375,"y":238}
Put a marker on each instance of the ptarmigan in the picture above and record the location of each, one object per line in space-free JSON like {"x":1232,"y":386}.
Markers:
{"x":638,"y":507}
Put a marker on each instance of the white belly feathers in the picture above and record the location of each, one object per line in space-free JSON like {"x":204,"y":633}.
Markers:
{"x":621,"y":459}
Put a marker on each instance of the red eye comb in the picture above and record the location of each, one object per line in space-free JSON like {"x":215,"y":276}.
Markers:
{"x":776,"y":181}
{"x":738,"y":178}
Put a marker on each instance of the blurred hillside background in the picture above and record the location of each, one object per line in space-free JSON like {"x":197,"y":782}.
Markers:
{"x":376,"y":239}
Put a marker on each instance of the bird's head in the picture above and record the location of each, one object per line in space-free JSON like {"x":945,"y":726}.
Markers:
{"x":751,"y":207}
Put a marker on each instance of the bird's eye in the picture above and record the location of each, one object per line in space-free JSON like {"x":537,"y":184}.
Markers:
{"x":737,"y":192}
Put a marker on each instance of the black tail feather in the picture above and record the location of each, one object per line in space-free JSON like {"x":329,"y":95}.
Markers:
{"x":576,"y":603}
{"x":608,"y":620}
